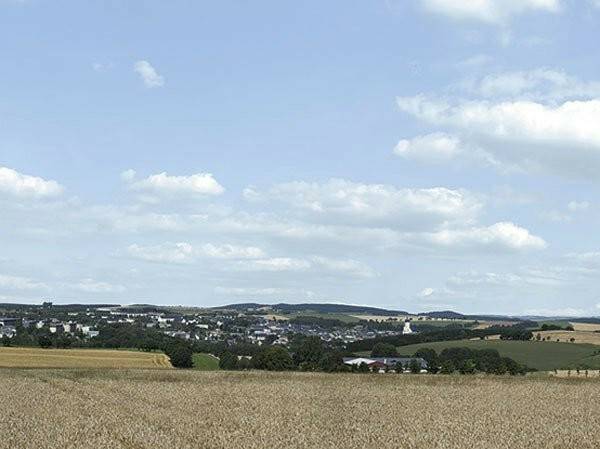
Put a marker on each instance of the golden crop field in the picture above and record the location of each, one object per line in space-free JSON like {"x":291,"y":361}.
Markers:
{"x":592,"y":338}
{"x":80,"y":358}
{"x":79,"y":409}
{"x":589,"y":327}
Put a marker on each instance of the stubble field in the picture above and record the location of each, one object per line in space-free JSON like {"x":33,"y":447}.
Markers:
{"x":186,"y":409}
{"x":80,"y":358}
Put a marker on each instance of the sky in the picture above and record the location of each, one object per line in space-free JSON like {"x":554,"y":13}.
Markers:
{"x":410,"y":154}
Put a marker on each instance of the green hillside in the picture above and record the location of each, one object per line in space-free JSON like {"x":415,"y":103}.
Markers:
{"x":543,"y":356}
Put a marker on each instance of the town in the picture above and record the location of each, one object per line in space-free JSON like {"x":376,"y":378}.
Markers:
{"x":251,"y":325}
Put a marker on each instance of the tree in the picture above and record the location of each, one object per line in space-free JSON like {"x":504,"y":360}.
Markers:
{"x":414,"y":366}
{"x":273,"y":358}
{"x":180,"y":355}
{"x":228,"y":361}
{"x":44,"y":341}
{"x":5,"y":341}
{"x":244,"y":364}
{"x":332,"y":362}
{"x":384,"y":350}
{"x":431,"y":357}
{"x":363,"y":368}
{"x":399,"y":368}
{"x":309,"y":353}
{"x":447,"y":367}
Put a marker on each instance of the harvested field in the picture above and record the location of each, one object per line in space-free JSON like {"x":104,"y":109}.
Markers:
{"x":79,"y":409}
{"x":80,"y":358}
{"x":587,"y":327}
{"x":592,"y":338}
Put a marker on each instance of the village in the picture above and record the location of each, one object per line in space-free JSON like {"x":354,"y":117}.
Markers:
{"x":229,"y":326}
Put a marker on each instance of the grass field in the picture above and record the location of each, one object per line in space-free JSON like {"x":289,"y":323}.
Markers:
{"x":543,"y":356}
{"x":80,"y":358}
{"x":104,"y":409}
{"x":205,"y":362}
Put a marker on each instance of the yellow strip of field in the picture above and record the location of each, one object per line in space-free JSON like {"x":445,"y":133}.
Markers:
{"x":80,"y":358}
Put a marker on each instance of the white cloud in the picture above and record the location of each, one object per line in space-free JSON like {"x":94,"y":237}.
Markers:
{"x":536,"y":84}
{"x":527,"y":135}
{"x":165,"y":253}
{"x":340,"y":201}
{"x":489,"y":11}
{"x":231,"y":251}
{"x":503,"y":236}
{"x":264,"y":291}
{"x":562,"y":312}
{"x":578,"y":206}
{"x":317,"y":265}
{"x":93,"y":286}
{"x":148,"y":74}
{"x":182,"y":252}
{"x":426,"y":292}
{"x":435,"y":147}
{"x":25,"y":186}
{"x":349,"y":267}
{"x":164,"y":184}
{"x":21,"y":283}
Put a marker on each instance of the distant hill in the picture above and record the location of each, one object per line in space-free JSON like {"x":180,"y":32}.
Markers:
{"x":317,"y":308}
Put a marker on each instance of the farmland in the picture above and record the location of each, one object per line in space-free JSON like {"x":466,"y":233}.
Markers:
{"x":80,"y":358}
{"x":205,"y":362}
{"x":189,"y":409}
{"x":542,"y":356}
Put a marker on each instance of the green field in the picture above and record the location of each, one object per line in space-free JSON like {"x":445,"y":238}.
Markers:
{"x":543,"y":356}
{"x":205,"y":362}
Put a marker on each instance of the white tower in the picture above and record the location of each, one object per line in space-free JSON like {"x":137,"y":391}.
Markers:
{"x":407,"y":329}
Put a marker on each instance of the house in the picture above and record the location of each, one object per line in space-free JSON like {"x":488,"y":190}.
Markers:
{"x":385,"y":362}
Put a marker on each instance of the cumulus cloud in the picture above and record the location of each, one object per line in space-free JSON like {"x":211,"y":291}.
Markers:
{"x":522,"y":134}
{"x":435,"y":147}
{"x":489,"y":11}
{"x":164,"y":184}
{"x":20,"y":185}
{"x":500,"y":236}
{"x":148,"y":74}
{"x":537,"y":84}
{"x":342,"y":201}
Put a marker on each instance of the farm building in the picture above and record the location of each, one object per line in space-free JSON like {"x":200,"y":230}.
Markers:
{"x":385,"y":362}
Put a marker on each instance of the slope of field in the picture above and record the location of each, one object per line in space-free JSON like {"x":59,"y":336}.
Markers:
{"x":80,"y":358}
{"x":205,"y":362}
{"x":543,"y":356}
{"x":188,"y":409}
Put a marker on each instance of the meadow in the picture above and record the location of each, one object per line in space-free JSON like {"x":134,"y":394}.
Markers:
{"x":135,"y":409}
{"x":205,"y":362}
{"x":543,"y":356}
{"x":80,"y":358}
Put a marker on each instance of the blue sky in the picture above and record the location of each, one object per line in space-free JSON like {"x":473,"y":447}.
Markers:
{"x":417,"y":154}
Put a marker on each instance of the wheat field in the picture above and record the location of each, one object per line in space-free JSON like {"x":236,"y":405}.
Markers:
{"x":184,"y":409}
{"x":80,"y":358}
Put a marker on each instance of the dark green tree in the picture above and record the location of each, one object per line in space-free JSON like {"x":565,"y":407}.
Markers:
{"x":414,"y":366}
{"x":447,"y":367}
{"x":44,"y":341}
{"x":5,"y":341}
{"x":309,"y":353}
{"x":228,"y":361}
{"x":180,"y":355}
{"x":273,"y":358}
{"x":384,"y":350}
